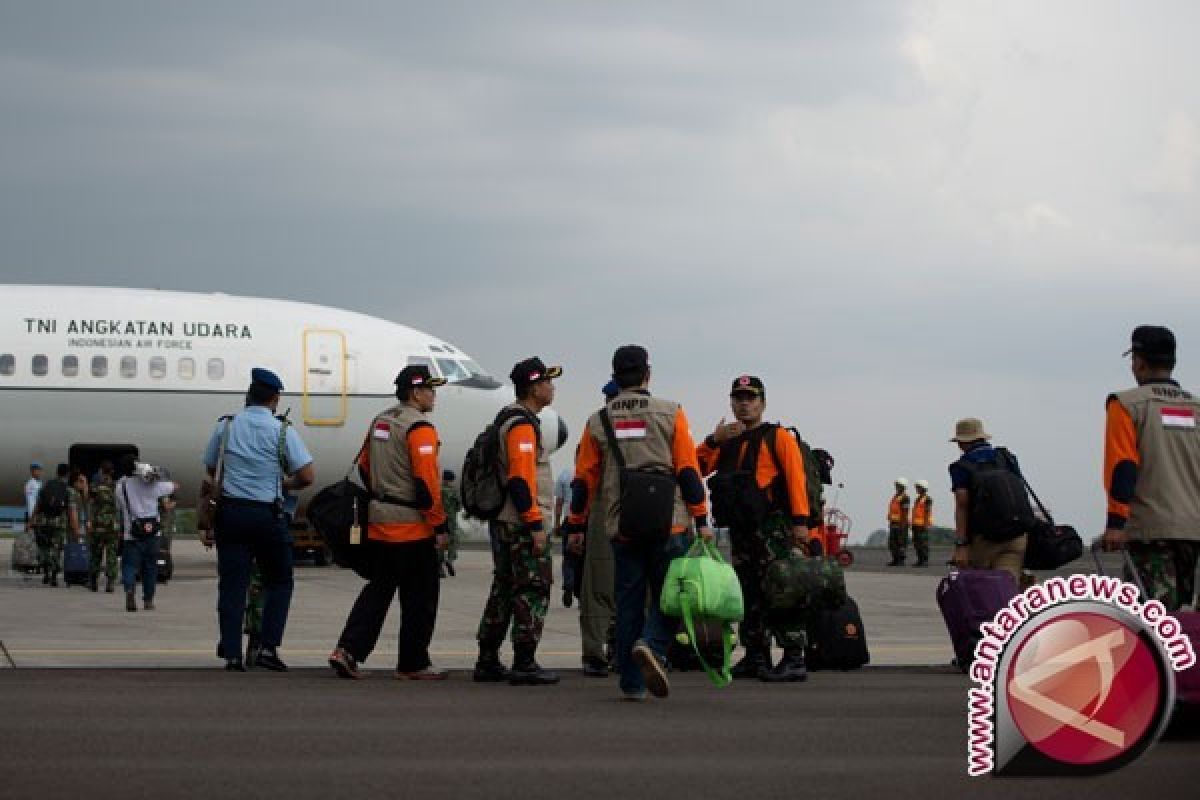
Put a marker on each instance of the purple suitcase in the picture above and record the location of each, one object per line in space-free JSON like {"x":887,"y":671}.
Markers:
{"x":1187,"y":683}
{"x":968,"y":598}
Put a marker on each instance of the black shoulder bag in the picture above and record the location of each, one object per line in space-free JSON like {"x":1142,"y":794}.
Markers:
{"x":141,"y":528}
{"x":646,"y":503}
{"x":1049,"y":546}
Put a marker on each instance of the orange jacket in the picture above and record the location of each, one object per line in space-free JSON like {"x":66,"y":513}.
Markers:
{"x":522,"y":444}
{"x":1121,"y":461}
{"x":423,"y":448}
{"x":589,"y":467}
{"x":922,"y":511}
{"x":898,"y":510}
{"x":765,"y":471}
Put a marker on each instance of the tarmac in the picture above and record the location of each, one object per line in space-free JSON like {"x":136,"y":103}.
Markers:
{"x":105,"y":703}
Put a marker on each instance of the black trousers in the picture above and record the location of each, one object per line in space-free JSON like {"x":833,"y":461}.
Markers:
{"x":411,"y":570}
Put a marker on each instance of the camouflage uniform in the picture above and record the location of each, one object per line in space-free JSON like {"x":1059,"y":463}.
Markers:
{"x":105,"y":537}
{"x":452,"y":504}
{"x":51,"y":536}
{"x":520,"y":592}
{"x":752,"y":553}
{"x":1167,"y":569}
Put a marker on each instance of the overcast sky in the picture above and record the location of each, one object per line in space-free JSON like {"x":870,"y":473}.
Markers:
{"x":897,"y":213}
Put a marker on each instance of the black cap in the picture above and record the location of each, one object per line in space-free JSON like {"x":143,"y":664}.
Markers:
{"x":630,"y":358}
{"x":748,"y":384}
{"x":532,"y":370}
{"x":417,"y":376}
{"x":1152,"y":341}
{"x":265,"y":377}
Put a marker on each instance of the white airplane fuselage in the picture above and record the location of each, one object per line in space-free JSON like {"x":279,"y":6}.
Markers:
{"x":87,"y":373}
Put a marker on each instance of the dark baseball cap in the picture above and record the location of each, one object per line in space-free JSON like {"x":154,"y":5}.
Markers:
{"x":532,"y":370}
{"x":747,"y":384}
{"x":417,"y":376}
{"x":1153,"y":341}
{"x":264,"y":377}
{"x":630,"y":358}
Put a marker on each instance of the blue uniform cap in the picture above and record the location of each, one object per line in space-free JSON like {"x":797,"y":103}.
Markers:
{"x":36,"y":465}
{"x":266,"y":378}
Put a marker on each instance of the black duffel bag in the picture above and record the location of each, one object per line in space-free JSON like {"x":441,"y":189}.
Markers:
{"x":333,"y":512}
{"x":1051,"y":546}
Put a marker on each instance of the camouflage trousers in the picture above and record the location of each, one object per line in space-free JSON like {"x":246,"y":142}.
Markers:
{"x":1167,"y":568}
{"x":898,"y":541}
{"x":103,"y":547}
{"x":920,"y":537}
{"x":50,"y":541}
{"x":254,"y":607}
{"x":520,"y":593}
{"x":752,"y":553}
{"x":450,"y":554}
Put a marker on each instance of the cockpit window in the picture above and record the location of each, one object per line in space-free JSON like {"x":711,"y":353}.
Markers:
{"x":453,"y":371}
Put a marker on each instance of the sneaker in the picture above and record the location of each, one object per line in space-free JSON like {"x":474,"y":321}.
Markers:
{"x":595,"y":668}
{"x":234,"y":665}
{"x":430,"y":673}
{"x":652,"y":669}
{"x":343,"y":663}
{"x":148,"y":605}
{"x":130,"y":602}
{"x":638,"y":696}
{"x":489,"y":669}
{"x":269,"y":659}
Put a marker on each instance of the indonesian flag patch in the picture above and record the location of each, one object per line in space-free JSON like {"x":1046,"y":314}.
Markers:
{"x":629,"y":428}
{"x":425,"y":449}
{"x":1178,"y":417}
{"x":382,"y":431}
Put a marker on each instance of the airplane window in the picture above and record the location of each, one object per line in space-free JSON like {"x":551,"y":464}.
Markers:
{"x":187,"y":368}
{"x":452,"y":370}
{"x":158,"y":367}
{"x":128,"y":367}
{"x":70,"y":366}
{"x":8,"y":364}
{"x":99,"y":366}
{"x":216,"y":369}
{"x":41,"y":365}
{"x":474,"y":368}
{"x":436,"y":349}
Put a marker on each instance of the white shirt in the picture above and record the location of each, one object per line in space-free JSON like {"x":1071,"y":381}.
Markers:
{"x":143,"y":500}
{"x":32,"y":487}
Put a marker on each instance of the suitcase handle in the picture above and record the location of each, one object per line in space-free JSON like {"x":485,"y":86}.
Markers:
{"x":1129,"y":567}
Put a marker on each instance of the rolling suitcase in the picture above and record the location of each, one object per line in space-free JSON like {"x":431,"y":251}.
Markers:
{"x":25,"y":552}
{"x":1187,"y":683}
{"x":968,"y":598}
{"x":76,"y":563}
{"x":837,"y":640}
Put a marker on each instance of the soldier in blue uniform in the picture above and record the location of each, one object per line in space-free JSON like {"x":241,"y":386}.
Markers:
{"x":265,"y":460}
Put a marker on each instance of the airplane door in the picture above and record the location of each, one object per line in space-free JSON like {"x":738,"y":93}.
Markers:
{"x":324,"y":401}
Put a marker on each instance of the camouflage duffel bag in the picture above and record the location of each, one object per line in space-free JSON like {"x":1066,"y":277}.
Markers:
{"x":801,"y":582}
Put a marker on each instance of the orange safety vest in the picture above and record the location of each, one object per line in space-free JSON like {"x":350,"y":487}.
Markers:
{"x":922,"y":515}
{"x":897,"y":513}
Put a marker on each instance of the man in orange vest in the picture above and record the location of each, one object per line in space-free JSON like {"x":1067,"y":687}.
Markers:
{"x":922,"y":521}
{"x":408,"y":529}
{"x":897,"y":518}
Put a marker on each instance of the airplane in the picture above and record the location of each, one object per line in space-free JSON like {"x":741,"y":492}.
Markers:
{"x":94,"y":373}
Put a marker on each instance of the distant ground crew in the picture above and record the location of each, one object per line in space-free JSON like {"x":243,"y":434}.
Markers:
{"x":452,"y":504}
{"x":1152,"y":472}
{"x":922,"y":521}
{"x":897,"y":519}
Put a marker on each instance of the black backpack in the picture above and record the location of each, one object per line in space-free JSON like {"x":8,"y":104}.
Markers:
{"x":52,"y":499}
{"x":483,"y":483}
{"x":818,"y":465}
{"x":999,"y":509}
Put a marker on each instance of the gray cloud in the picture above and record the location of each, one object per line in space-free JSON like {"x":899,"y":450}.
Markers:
{"x":897,"y":214}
